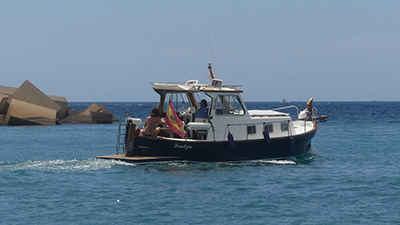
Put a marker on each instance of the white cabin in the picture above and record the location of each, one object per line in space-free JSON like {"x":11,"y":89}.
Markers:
{"x":226,"y":113}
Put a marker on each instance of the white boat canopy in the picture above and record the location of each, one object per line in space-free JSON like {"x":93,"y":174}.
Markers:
{"x":192,"y":86}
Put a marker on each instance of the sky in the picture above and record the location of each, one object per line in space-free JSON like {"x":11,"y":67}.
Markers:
{"x":99,"y":51}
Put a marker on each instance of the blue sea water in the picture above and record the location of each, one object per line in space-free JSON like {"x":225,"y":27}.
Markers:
{"x":49,"y":175}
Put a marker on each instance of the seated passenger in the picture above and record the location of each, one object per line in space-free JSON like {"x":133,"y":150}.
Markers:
{"x":202,"y":112}
{"x":150,"y":125}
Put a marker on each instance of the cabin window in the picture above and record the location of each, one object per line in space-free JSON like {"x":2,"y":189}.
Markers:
{"x":269,"y":128}
{"x":284,"y":126}
{"x":228,"y":105}
{"x":251,"y":129}
{"x":179,"y":101}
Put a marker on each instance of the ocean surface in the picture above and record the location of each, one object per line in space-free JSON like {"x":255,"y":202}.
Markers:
{"x":49,"y":175}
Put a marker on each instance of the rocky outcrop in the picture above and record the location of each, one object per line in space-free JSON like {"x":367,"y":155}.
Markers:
{"x":30,"y":106}
{"x":93,"y":114}
{"x":27,"y":105}
{"x":25,"y":113}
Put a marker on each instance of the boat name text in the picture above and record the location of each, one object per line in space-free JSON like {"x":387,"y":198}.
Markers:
{"x":184,"y":146}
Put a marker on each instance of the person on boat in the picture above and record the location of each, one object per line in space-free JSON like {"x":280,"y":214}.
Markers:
{"x":202,"y":112}
{"x":150,"y":125}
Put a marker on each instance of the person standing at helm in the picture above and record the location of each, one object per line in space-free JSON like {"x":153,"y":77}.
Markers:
{"x":202,"y":112}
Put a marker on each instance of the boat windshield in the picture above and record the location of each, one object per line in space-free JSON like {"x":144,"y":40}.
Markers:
{"x":228,"y":105}
{"x":179,"y":101}
{"x":200,"y":96}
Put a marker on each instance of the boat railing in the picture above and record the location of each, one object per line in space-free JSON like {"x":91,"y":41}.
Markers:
{"x":287,"y":107}
{"x":298,"y":112}
{"x":315,"y":114}
{"x":121,"y":132}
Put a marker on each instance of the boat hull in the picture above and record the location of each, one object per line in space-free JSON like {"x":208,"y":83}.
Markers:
{"x":210,"y":151}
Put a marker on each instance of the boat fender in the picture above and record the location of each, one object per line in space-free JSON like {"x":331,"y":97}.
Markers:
{"x":266,"y":137}
{"x":231,"y":140}
{"x":292,"y":146}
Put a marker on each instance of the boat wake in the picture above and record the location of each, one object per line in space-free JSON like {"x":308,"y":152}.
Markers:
{"x":279,"y":162}
{"x":306,"y":158}
{"x":59,"y":165}
{"x":189,"y":165}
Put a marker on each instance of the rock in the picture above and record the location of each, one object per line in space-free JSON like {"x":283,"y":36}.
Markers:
{"x":78,"y":118}
{"x":63,"y":103}
{"x":99,"y":113}
{"x":7,"y":90}
{"x":102,"y":117}
{"x":27,"y":105}
{"x":93,"y":114}
{"x":93,"y":108}
{"x":73,"y":112}
{"x":3,"y":103}
{"x":28,"y":92}
{"x":25,"y":113}
{"x":106,"y":110}
{"x":2,"y":119}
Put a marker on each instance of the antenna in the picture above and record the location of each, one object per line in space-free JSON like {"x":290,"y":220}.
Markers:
{"x":212,"y":56}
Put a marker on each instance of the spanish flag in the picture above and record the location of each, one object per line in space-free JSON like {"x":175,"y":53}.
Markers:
{"x":173,"y":121}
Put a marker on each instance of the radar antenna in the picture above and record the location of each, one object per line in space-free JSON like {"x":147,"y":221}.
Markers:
{"x":212,"y":55}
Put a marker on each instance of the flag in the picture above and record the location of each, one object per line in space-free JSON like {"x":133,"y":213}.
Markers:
{"x":173,"y":121}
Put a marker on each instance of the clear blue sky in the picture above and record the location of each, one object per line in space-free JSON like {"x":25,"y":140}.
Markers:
{"x":112,"y":50}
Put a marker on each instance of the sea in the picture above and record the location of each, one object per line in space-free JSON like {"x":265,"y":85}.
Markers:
{"x":50,"y":175}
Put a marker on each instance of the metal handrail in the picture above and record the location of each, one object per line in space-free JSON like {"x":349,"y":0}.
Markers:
{"x":287,"y":107}
{"x":119,"y":133}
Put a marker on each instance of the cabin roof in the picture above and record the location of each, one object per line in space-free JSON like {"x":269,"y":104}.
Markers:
{"x":182,"y":87}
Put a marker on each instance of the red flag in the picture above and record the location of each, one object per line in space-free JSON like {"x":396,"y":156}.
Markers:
{"x":174,"y":122}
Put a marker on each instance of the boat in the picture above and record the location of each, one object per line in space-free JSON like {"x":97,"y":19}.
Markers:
{"x":374,"y":99}
{"x":229,"y":131}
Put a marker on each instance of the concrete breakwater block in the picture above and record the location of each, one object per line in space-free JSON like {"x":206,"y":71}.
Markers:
{"x":2,"y":120}
{"x":27,"y":105}
{"x":63,"y":103}
{"x":98,"y":109}
{"x":28,"y":92}
{"x":93,"y":114}
{"x":3,"y":102}
{"x":78,"y":118}
{"x":7,"y":90}
{"x":24,"y":113}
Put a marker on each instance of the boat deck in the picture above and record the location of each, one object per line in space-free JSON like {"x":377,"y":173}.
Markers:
{"x":140,"y":159}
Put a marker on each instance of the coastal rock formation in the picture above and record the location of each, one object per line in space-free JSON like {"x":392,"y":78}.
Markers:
{"x":30,"y":106}
{"x":95,"y":113}
{"x":25,"y":113}
{"x":27,"y":105}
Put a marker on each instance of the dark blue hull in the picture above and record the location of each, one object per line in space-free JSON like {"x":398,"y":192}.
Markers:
{"x":210,"y":151}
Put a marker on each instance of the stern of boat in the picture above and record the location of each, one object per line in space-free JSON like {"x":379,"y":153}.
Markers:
{"x":127,"y":132}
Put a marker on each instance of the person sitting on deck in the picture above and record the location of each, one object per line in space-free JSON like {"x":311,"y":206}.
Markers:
{"x":202,"y":112}
{"x":150,"y":125}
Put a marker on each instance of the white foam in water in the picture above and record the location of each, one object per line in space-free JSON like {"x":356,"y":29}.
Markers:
{"x":62,"y":165}
{"x":183,"y":164}
{"x":279,"y":162}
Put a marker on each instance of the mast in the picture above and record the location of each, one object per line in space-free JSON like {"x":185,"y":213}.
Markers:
{"x":211,"y":73}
